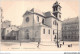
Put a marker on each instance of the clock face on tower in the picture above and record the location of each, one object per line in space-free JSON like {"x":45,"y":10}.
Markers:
{"x":27,"y":19}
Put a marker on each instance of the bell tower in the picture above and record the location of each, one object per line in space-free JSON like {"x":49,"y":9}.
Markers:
{"x":57,"y":10}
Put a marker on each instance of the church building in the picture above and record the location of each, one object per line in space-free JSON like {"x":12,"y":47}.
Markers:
{"x":38,"y":26}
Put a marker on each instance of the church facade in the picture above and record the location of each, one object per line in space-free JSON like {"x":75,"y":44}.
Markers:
{"x":38,"y":26}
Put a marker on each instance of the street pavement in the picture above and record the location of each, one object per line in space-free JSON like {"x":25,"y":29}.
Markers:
{"x":44,"y":46}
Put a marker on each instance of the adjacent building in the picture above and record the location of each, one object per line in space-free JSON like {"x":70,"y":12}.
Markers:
{"x":8,"y":31}
{"x":5,"y":24}
{"x":11,"y":33}
{"x":70,"y":29}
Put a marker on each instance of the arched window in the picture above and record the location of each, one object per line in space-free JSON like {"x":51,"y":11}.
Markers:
{"x":49,"y":31}
{"x":56,"y":8}
{"x":59,"y":16}
{"x":55,"y":22}
{"x":38,"y":18}
{"x":43,"y":31}
{"x":59,"y":9}
{"x":43,"y":21}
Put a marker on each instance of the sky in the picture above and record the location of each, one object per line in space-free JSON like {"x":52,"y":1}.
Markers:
{"x":13,"y":10}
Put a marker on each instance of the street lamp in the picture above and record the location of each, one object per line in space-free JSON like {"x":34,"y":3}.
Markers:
{"x":57,"y":36}
{"x":1,"y":13}
{"x":20,"y":37}
{"x":39,"y":37}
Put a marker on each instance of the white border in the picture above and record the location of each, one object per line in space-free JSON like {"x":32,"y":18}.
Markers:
{"x":60,"y":52}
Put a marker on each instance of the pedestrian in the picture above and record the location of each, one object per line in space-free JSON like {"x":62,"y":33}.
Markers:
{"x":60,"y":45}
{"x":63,"y":42}
{"x":38,"y":44}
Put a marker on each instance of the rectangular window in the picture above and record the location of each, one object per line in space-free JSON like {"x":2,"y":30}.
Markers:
{"x":43,"y":31}
{"x":65,"y":37}
{"x":49,"y":31}
{"x":53,"y":31}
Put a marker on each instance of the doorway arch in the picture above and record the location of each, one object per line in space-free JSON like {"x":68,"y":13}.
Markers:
{"x":27,"y":34}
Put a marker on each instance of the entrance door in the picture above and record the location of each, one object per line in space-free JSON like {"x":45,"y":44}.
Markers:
{"x":27,"y":36}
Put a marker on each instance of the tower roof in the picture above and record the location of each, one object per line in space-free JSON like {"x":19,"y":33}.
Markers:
{"x":56,"y":4}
